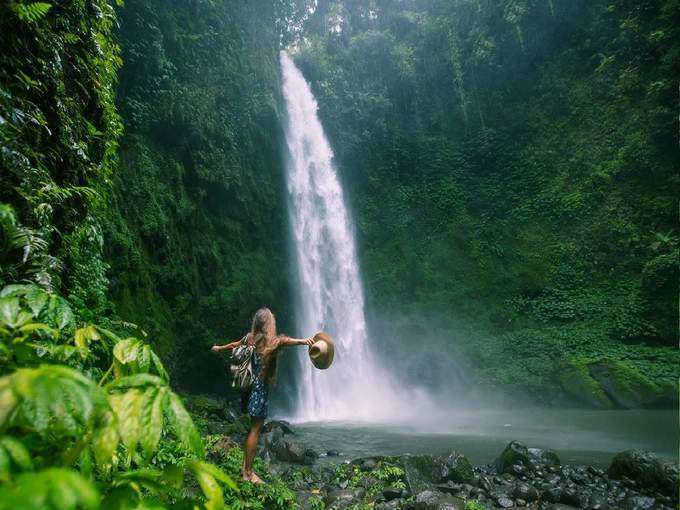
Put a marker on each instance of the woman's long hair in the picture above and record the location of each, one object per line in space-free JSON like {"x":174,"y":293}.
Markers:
{"x":263,"y":333}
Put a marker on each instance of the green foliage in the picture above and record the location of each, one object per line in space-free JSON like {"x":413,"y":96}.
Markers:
{"x":274,"y":494}
{"x":50,"y":489}
{"x":513,"y":172}
{"x":473,"y":504}
{"x":55,"y":418}
{"x":58,"y":131}
{"x":31,"y":12}
{"x":196,"y":233}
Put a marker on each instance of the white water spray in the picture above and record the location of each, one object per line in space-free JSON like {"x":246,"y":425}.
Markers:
{"x":330,"y":294}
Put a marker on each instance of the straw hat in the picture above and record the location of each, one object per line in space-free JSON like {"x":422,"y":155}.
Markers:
{"x":321,"y":351}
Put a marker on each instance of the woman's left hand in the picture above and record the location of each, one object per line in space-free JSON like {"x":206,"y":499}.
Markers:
{"x":308,"y":341}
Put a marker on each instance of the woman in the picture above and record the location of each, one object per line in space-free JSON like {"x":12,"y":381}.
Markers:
{"x":267,"y":346}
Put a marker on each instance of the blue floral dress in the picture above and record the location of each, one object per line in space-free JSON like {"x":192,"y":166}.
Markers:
{"x":259,"y":393}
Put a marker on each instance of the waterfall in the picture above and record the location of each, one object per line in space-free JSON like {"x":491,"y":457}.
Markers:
{"x":329,"y":290}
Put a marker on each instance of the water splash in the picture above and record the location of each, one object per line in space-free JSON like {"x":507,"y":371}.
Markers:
{"x":329,"y":290}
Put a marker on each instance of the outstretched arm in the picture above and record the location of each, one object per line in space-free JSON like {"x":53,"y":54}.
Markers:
{"x":225,"y":347}
{"x":286,"y":341}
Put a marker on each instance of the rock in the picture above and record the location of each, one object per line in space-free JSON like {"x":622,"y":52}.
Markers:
{"x":551,"y":493}
{"x":343,"y":498}
{"x":421,"y":472}
{"x":457,"y":468}
{"x":571,"y":496}
{"x":525,"y":492}
{"x":520,"y":502}
{"x":219,"y":427}
{"x":647,"y":470}
{"x":307,"y":500}
{"x":625,"y":386}
{"x":223,"y":445}
{"x":543,"y":459}
{"x":559,"y":506}
{"x":639,"y":503}
{"x":333,"y":453}
{"x":577,"y":382}
{"x":278,"y":424}
{"x":452,"y":488}
{"x":504,"y":502}
{"x":391,"y":493}
{"x":432,"y":500}
{"x":515,"y":454}
{"x":389,"y":505}
{"x":291,"y":451}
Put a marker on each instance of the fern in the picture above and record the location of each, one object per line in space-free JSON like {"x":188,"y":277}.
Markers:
{"x":143,"y":411}
{"x":51,"y":400}
{"x":13,"y":456}
{"x":50,"y":489}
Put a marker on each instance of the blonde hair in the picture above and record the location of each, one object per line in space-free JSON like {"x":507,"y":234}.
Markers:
{"x":263,"y":333}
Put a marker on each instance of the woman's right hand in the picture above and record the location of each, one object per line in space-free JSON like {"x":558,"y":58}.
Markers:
{"x":215,"y":348}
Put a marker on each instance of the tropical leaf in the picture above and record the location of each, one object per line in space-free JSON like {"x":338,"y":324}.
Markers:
{"x":131,"y":356}
{"x":183,"y":426}
{"x":50,"y":400}
{"x":50,"y":489}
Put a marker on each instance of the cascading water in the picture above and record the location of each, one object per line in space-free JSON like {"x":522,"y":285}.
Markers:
{"x":330,"y":294}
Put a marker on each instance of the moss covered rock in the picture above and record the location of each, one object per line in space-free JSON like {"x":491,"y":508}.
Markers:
{"x":578,"y":383}
{"x":625,"y":386}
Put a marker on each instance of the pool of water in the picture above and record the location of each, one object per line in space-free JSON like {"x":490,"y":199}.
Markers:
{"x":578,"y":436}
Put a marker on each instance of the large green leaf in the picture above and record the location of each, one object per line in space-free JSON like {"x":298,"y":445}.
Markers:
{"x":49,"y":400}
{"x":183,"y":426}
{"x":51,"y":489}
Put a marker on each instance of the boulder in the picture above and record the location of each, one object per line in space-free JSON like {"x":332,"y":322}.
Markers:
{"x":456,"y":468}
{"x":343,"y":498}
{"x":287,"y":450}
{"x":432,"y":500}
{"x":625,"y":386}
{"x":515,"y":454}
{"x":284,"y":426}
{"x":390,"y":493}
{"x":543,"y":459}
{"x":525,"y":492}
{"x":647,"y":471}
{"x":422,"y":472}
{"x":639,"y":503}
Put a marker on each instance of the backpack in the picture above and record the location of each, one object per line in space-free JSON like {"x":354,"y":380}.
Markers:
{"x":242,"y":365}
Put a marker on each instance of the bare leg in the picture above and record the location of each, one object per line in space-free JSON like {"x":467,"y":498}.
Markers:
{"x":251,"y":448}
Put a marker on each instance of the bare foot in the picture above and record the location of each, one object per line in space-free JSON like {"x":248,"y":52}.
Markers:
{"x":255,"y":479}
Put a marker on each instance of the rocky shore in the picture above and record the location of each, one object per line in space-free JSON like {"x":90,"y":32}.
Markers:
{"x":520,"y":477}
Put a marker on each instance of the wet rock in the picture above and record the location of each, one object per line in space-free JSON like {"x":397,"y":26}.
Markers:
{"x":485,"y":483}
{"x":520,"y":502}
{"x":389,"y":505}
{"x":505,"y":502}
{"x":647,"y":470}
{"x":432,"y":500}
{"x":278,"y":424}
{"x":551,"y":493}
{"x":456,"y":468}
{"x":223,"y":445}
{"x":391,"y":493}
{"x":559,"y":506}
{"x":525,"y":492}
{"x":421,"y":472}
{"x":344,"y":498}
{"x":639,"y":503}
{"x":218,"y":427}
{"x":333,"y":453}
{"x":570,"y":496}
{"x":291,"y":451}
{"x":541,"y":459}
{"x":514,"y":454}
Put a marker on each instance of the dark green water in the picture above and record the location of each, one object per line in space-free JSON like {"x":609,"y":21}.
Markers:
{"x":578,"y":436}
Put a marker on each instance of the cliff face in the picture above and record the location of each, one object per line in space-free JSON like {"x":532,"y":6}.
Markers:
{"x":512,"y":169}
